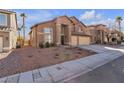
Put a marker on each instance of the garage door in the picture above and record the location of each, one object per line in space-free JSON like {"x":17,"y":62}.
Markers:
{"x":82,"y":40}
{"x":1,"y":44}
{"x":74,"y":40}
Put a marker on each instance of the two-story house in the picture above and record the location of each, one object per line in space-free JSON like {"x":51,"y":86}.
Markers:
{"x":98,"y":33}
{"x":62,"y":30}
{"x":8,"y":30}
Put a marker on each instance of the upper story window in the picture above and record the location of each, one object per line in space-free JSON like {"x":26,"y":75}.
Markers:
{"x":47,"y":30}
{"x":3,"y":19}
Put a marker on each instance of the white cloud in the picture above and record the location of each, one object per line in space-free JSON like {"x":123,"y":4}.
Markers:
{"x":91,"y":18}
{"x":109,"y":22}
{"x":88,"y":15}
{"x":98,"y":16}
{"x":40,"y":16}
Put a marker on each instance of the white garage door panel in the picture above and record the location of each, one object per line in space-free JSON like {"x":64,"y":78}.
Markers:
{"x":1,"y":44}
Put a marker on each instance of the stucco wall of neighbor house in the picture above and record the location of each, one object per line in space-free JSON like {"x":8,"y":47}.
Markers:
{"x":9,"y":32}
{"x":13,"y":31}
{"x":98,"y":33}
{"x":80,"y":40}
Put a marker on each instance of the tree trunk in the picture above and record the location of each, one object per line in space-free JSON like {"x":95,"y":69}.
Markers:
{"x":119,"y":24}
{"x":23,"y":30}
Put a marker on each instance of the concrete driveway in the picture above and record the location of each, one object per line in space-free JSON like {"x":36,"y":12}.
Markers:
{"x":103,"y":48}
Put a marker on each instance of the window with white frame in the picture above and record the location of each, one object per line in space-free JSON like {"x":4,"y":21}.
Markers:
{"x":48,"y":35}
{"x":3,"y":19}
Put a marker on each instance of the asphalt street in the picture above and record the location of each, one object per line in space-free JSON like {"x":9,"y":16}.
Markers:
{"x":112,"y":72}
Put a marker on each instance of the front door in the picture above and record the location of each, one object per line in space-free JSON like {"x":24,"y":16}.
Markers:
{"x":62,"y":40}
{"x":1,"y":44}
{"x":64,"y":34}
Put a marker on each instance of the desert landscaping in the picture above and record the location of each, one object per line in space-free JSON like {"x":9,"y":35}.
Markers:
{"x":25,"y":59}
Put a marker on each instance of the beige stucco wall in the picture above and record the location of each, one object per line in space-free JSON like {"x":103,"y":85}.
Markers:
{"x":13,"y":31}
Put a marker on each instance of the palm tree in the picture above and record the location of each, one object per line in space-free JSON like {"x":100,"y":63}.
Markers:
{"x":118,"y":20}
{"x":19,"y":29}
{"x":23,"y":25}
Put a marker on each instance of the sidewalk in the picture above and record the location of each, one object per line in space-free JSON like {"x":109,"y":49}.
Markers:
{"x":4,"y":54}
{"x":67,"y":70}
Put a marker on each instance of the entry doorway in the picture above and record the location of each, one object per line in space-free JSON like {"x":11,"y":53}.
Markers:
{"x":1,"y":44}
{"x":62,"y":40}
{"x":64,"y":34}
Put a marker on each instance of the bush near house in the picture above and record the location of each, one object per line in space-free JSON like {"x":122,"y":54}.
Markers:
{"x":20,"y":42}
{"x":46,"y":45}
{"x":18,"y":46}
{"x":41,"y":45}
{"x":52,"y":44}
{"x":119,"y":42}
{"x":114,"y":39}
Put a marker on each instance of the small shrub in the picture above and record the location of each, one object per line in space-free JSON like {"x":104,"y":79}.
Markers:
{"x":118,"y":42}
{"x":57,"y":54}
{"x":18,"y":46}
{"x":67,"y":56}
{"x":52,"y":44}
{"x":104,"y":42}
{"x":41,"y":45}
{"x":122,"y":39}
{"x":47,"y":44}
{"x":114,"y":39}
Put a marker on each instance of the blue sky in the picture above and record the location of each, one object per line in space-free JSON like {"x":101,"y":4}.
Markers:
{"x":87,"y":16}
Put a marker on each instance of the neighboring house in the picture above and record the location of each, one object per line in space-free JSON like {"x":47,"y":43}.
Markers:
{"x":115,"y":37}
{"x":98,"y":33}
{"x":62,"y":30}
{"x":8,"y":30}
